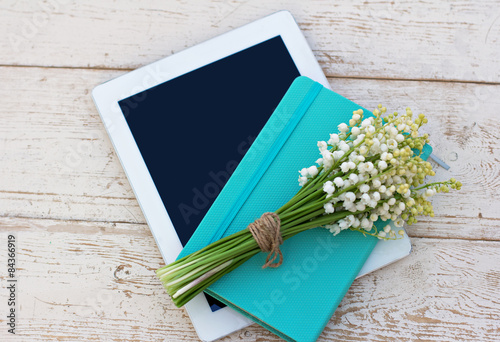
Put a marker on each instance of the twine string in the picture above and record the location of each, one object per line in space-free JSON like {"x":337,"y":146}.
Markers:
{"x":267,"y":234}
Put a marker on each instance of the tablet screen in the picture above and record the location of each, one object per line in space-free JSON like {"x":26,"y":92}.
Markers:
{"x":193,"y":130}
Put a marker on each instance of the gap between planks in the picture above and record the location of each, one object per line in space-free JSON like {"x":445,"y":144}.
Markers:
{"x":428,"y":237}
{"x":327,"y":76}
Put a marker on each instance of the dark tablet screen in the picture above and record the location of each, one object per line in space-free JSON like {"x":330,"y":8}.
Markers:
{"x":193,"y":130}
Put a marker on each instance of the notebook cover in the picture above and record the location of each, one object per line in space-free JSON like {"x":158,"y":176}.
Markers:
{"x":297,"y":299}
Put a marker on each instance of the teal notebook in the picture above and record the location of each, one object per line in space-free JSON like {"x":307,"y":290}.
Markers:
{"x":297,"y":299}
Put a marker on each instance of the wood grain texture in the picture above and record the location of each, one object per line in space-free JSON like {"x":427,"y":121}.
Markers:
{"x":58,"y":163}
{"x":401,"y":39}
{"x":86,"y":257}
{"x":447,"y":290}
{"x":95,"y":281}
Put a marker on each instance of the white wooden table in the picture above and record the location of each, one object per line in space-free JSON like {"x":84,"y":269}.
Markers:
{"x":86,"y":257}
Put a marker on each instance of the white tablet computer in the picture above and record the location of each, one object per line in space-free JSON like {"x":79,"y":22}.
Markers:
{"x":181,"y":125}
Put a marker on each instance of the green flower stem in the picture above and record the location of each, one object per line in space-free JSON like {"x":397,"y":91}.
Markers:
{"x":190,"y":275}
{"x":304,"y":218}
{"x":190,"y":260}
{"x":314,"y":205}
{"x":221,"y":256}
{"x":304,"y":211}
{"x":298,"y":198}
{"x":319,"y":221}
{"x":218,"y":251}
{"x":186,"y":297}
{"x":203,"y":250}
{"x":210,"y":280}
{"x":287,"y":233}
{"x":425,"y":186}
{"x":310,"y":187}
{"x":307,"y":198}
{"x":173,"y":289}
{"x":237,"y":248}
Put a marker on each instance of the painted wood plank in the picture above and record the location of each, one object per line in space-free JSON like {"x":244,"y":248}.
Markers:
{"x":95,"y":281}
{"x":445,"y":40}
{"x":86,"y":255}
{"x":446,"y":290}
{"x":57,"y":161}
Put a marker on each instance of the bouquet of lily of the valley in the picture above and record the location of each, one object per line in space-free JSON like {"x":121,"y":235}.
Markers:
{"x":369,"y":170}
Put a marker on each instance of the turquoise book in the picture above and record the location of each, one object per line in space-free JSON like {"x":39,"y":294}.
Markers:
{"x":296,"y":300}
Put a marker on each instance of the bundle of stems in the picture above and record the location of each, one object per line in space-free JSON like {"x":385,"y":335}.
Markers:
{"x":369,"y":171}
{"x":204,"y":267}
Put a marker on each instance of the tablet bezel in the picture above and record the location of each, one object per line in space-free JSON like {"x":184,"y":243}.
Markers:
{"x":209,"y":325}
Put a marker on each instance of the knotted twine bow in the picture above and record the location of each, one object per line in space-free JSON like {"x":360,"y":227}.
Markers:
{"x":267,"y":234}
